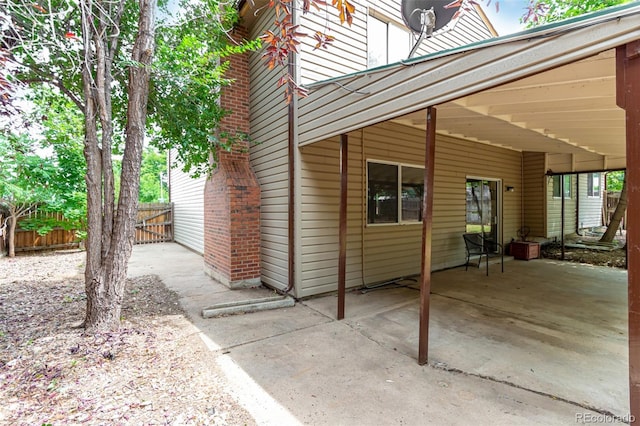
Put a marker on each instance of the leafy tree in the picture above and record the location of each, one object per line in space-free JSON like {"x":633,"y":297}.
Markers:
{"x":25,"y":181}
{"x":618,"y":214}
{"x":187,"y":82}
{"x":153,"y":187}
{"x":615,"y":181}
{"x":61,"y":127}
{"x":546,"y":11}
{"x":58,"y":150}
{"x":100,"y":55}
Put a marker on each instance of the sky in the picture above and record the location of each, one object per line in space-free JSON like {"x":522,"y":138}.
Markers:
{"x":507,"y":19}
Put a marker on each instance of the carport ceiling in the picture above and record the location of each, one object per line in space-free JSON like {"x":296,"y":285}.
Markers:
{"x":570,"y":109}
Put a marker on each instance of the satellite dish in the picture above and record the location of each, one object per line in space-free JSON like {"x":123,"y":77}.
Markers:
{"x":423,"y":17}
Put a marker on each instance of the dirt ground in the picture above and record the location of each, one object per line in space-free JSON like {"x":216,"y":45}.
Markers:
{"x":154,"y":370}
{"x":616,"y":258}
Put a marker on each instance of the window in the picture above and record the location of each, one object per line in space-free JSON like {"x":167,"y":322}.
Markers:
{"x":482,"y":206}
{"x":567,"y":186}
{"x":593,"y":184}
{"x":394,"y":193}
{"x":386,"y":42}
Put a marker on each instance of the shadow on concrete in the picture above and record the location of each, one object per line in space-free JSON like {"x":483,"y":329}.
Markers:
{"x":543,"y":343}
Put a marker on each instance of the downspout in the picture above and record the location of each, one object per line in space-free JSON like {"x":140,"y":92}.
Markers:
{"x":522,"y":192}
{"x":562,"y":216}
{"x":342,"y":239}
{"x":578,"y":205}
{"x":605,"y":204}
{"x":169,"y":176}
{"x":363,"y":188}
{"x":292,"y":190}
{"x":291,"y":160}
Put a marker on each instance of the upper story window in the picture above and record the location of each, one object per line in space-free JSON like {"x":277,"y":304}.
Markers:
{"x":567,"y":186}
{"x":386,"y":42}
{"x":394,"y":193}
{"x":593,"y":184}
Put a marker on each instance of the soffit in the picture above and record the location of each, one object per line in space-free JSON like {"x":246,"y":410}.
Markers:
{"x":569,"y":109}
{"x":548,"y":91}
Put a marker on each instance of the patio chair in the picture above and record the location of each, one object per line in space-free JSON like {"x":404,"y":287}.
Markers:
{"x":478,"y":245}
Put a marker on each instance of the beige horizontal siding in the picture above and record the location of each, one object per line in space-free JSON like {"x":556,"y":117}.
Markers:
{"x":534,"y":189}
{"x":378,"y":253}
{"x":268,"y":153}
{"x":590,"y":208}
{"x":554,"y":211}
{"x":455,"y":161}
{"x":320,"y":192}
{"x":469,"y":28}
{"x":347,"y":53}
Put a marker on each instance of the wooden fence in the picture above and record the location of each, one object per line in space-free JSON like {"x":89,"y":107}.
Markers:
{"x":58,"y":238}
{"x":154,"y":224}
{"x":609,"y":207}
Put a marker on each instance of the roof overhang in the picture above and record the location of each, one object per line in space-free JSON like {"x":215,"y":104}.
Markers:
{"x":551,"y":89}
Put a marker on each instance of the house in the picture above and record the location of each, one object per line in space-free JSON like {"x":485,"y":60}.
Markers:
{"x":351,"y":52}
{"x":496,"y":128}
{"x":583,"y":198}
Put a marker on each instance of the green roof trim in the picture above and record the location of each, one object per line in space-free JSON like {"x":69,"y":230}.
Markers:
{"x":602,"y":15}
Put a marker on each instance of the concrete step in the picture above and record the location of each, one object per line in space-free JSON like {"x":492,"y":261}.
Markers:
{"x":246,"y":306}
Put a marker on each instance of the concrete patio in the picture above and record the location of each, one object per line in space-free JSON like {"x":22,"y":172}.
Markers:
{"x":543,"y":343}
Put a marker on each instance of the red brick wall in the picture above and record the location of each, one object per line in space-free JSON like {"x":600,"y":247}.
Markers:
{"x":232,"y":195}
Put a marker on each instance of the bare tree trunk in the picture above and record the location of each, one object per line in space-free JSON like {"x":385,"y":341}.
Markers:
{"x":110,"y":236}
{"x":13,"y":222}
{"x":3,"y":236}
{"x":618,"y":214}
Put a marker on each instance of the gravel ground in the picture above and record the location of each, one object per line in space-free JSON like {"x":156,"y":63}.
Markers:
{"x":154,"y":370}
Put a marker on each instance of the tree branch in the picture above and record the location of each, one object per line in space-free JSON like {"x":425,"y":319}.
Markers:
{"x":57,"y":83}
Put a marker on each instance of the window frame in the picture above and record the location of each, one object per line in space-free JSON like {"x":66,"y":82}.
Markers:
{"x":568,"y":195}
{"x":399,"y":166}
{"x":396,"y":26}
{"x":591,"y":193}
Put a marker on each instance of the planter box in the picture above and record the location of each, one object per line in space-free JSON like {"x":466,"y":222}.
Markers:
{"x":524,"y":250}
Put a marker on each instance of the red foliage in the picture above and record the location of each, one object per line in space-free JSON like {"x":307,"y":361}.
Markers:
{"x":284,"y":38}
{"x":345,"y":9}
{"x":322,"y":40}
{"x":280,"y":42}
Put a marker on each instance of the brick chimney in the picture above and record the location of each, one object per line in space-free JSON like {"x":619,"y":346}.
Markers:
{"x":232,"y":194}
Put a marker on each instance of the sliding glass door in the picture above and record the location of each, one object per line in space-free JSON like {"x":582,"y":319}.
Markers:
{"x":482,"y":207}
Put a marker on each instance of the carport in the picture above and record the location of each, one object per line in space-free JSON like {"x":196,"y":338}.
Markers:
{"x":554,"y":328}
{"x":584,"y":73}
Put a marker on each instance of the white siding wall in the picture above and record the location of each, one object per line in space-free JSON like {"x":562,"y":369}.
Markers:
{"x":469,"y":28}
{"x":590,"y":207}
{"x":187,"y":196}
{"x":387,"y":8}
{"x":590,"y":211}
{"x":348,"y":53}
{"x":320,"y":216}
{"x":376,"y":253}
{"x":268,"y":118}
{"x":554,"y":210}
